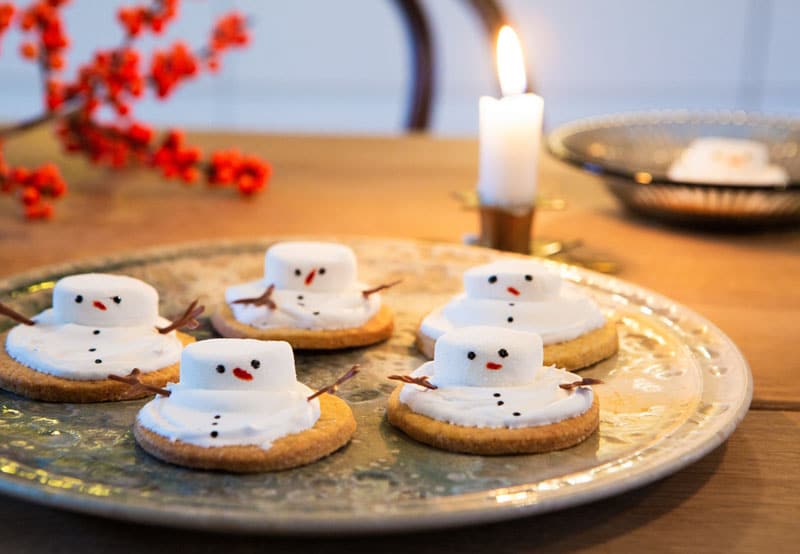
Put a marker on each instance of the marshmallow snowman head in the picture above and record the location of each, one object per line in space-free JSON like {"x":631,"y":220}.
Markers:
{"x":310,"y":266}
{"x":103,"y":300}
{"x":511,"y":280}
{"x":239,"y":365}
{"x":726,"y":153}
{"x":482,"y":356}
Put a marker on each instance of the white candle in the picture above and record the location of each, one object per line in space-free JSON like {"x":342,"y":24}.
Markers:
{"x":510,"y":133}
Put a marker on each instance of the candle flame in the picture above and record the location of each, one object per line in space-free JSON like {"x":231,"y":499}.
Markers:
{"x":510,"y":63}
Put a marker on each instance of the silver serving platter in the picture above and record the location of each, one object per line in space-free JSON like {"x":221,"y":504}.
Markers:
{"x":675,"y":391}
{"x":632,"y":153}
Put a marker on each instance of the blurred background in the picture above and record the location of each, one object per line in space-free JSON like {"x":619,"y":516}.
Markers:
{"x":344,"y":66}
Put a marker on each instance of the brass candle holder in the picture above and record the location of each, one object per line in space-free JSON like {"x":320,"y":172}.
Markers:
{"x":506,"y":228}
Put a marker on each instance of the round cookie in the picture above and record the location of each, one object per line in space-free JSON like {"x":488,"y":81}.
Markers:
{"x":333,"y":430}
{"x":309,"y":296}
{"x":488,"y":442}
{"x":524,"y":295}
{"x":379,"y":328}
{"x":487,"y":392}
{"x":572,"y":355}
{"x":239,"y":407}
{"x":27,"y":382}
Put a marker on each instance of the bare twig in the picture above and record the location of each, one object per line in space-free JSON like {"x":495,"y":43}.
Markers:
{"x":582,"y":383}
{"x":379,"y":288}
{"x":263,"y":300}
{"x":335,"y":386}
{"x":136,"y":385}
{"x":188,"y":319}
{"x":421,"y":381}
{"x":16,"y":316}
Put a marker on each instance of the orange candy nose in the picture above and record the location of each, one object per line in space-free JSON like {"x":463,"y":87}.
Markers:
{"x":242,"y":374}
{"x":513,"y":291}
{"x":310,"y":276}
{"x":99,"y":305}
{"x":493,"y":366}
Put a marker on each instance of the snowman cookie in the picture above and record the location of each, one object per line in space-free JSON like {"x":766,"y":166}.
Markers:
{"x":99,"y":325}
{"x":238,"y":407}
{"x":309,"y":296}
{"x":487,"y":392}
{"x":524,"y":296}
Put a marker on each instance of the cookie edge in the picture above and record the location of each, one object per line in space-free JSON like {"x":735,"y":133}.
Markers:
{"x":333,"y":430}
{"x":493,"y":442}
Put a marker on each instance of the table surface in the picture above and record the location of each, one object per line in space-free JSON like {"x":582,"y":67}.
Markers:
{"x":743,"y":497}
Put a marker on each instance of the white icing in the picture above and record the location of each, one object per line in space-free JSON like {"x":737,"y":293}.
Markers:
{"x":208,"y":408}
{"x":718,"y":160}
{"x":315,"y":288}
{"x":543,"y":304}
{"x":471,"y":393}
{"x":104,"y":300}
{"x":99,"y":325}
{"x":539,"y":403}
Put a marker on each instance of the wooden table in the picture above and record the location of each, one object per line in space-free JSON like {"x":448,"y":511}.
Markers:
{"x":743,"y":497}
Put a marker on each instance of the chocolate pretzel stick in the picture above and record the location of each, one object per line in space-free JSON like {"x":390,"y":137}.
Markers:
{"x":16,"y":316}
{"x":263,"y":300}
{"x":188,"y":319}
{"x":421,"y":381}
{"x":379,"y":288}
{"x":335,"y":386}
{"x":582,"y":383}
{"x":136,"y":385}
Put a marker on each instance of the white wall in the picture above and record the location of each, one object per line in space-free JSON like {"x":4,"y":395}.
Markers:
{"x":322,"y":66}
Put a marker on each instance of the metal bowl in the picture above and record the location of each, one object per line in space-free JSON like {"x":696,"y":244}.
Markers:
{"x":633,"y":152}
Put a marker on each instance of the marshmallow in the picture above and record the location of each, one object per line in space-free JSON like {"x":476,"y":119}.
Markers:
{"x":727,"y":161}
{"x":521,"y":280}
{"x":483,"y":356}
{"x":103,"y":300}
{"x":238,"y":365}
{"x":310,"y":266}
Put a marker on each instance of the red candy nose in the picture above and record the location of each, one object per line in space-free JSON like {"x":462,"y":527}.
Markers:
{"x":310,"y":276}
{"x":242,"y":374}
{"x":493,"y":366}
{"x":513,"y":291}
{"x":99,"y":305}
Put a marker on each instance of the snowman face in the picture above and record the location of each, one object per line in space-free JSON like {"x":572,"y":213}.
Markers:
{"x":487,"y":356}
{"x":310,"y":266}
{"x":104,"y":300}
{"x":238,"y":364}
{"x":511,"y":280}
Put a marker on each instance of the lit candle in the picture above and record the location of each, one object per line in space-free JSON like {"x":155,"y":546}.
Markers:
{"x":510,"y":132}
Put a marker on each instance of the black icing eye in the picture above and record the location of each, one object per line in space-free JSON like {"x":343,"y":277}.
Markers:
{"x":322,"y":271}
{"x":220,"y":368}
{"x":298,"y":272}
{"x":117,"y":299}
{"x":299,"y":296}
{"x":79,"y":299}
{"x":471,"y":355}
{"x":493,"y":279}
{"x":255,"y":364}
{"x":529,"y":277}
{"x":503,"y":353}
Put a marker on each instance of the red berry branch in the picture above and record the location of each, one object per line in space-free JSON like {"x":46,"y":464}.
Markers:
{"x":110,"y":83}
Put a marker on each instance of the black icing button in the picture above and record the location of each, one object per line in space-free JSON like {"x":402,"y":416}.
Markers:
{"x":96,"y":331}
{"x":516,"y":414}
{"x":510,"y":319}
{"x":98,"y":361}
{"x":217,"y":416}
{"x":497,"y":395}
{"x":214,"y":434}
{"x":92,"y":349}
{"x":500,"y":402}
